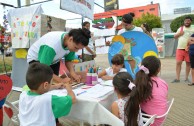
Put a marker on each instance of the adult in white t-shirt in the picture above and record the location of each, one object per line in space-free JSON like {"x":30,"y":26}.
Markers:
{"x":53,"y":46}
{"x":183,"y":34}
{"x":127,"y":24}
{"x":89,"y":52}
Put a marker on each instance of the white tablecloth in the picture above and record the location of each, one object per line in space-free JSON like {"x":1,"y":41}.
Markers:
{"x":95,"y":111}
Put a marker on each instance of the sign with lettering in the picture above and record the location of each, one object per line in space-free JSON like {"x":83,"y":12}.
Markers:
{"x":111,"y":5}
{"x":5,"y":86}
{"x":82,"y":7}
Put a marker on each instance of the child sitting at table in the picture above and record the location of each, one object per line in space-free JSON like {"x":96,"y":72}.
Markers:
{"x":37,"y":107}
{"x":150,"y":93}
{"x":117,"y":66}
{"x":123,"y":84}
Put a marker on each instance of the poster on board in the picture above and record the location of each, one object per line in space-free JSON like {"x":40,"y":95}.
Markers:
{"x":25,"y":25}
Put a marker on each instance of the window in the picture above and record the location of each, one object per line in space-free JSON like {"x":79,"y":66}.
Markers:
{"x":141,"y":10}
{"x":152,"y":9}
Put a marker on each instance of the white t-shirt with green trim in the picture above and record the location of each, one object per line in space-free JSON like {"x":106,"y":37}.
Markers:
{"x":134,"y":29}
{"x":41,"y":110}
{"x":49,"y":49}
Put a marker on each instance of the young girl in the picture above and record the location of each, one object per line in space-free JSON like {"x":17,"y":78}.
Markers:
{"x":150,"y":92}
{"x":117,"y":66}
{"x":123,"y":84}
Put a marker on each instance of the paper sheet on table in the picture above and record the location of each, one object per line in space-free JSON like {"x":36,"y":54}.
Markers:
{"x":107,"y":83}
{"x":63,"y":92}
{"x":97,"y":91}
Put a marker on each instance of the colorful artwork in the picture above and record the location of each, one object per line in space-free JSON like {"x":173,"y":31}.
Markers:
{"x":25,"y":24}
{"x":134,"y":46}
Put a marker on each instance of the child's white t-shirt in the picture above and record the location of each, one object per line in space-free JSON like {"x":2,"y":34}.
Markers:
{"x":109,"y":71}
{"x":41,"y":110}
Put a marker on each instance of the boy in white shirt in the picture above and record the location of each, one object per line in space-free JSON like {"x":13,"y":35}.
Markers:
{"x":36,"y":107}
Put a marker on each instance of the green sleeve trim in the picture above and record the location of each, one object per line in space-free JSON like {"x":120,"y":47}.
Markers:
{"x":46,"y":54}
{"x":70,"y":56}
{"x":61,"y":106}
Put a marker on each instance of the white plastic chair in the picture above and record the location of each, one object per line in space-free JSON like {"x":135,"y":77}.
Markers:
{"x":146,"y":117}
{"x":148,"y":121}
{"x":15,"y":111}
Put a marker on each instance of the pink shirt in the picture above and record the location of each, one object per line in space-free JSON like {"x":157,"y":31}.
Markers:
{"x":158,"y":104}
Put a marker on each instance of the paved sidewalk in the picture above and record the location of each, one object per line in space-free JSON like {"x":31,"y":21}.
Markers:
{"x":182,"y":111}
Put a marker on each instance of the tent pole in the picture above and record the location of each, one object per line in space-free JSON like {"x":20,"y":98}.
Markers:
{"x":82,"y":49}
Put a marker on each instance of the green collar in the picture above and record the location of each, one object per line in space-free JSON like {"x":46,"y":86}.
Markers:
{"x":32,"y":93}
{"x":62,"y":42}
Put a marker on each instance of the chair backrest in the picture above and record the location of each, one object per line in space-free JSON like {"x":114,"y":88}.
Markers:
{"x":149,"y":121}
{"x":146,"y":117}
{"x":11,"y":109}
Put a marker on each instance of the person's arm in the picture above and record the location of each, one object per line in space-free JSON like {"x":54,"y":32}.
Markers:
{"x":178,"y":33}
{"x":106,"y":77}
{"x":101,"y":74}
{"x":115,"y":109}
{"x":70,"y":92}
{"x":191,"y":40}
{"x":92,"y":52}
{"x":69,"y":66}
{"x":46,"y":56}
{"x":57,"y":86}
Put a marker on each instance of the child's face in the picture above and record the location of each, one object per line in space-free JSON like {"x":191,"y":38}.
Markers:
{"x":116,"y":68}
{"x":72,"y":46}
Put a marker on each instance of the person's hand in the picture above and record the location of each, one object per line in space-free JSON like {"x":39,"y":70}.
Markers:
{"x":66,"y":80}
{"x":68,"y":86}
{"x":59,"y":86}
{"x":76,"y":77}
{"x":107,"y":43}
{"x":94,"y":55}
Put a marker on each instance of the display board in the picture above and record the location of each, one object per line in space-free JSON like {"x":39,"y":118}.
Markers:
{"x":134,"y":46}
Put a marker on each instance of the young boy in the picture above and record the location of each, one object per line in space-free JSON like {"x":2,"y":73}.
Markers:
{"x":36,"y":107}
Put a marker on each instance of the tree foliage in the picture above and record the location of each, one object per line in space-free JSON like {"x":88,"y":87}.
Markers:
{"x":152,"y":21}
{"x":179,"y":21}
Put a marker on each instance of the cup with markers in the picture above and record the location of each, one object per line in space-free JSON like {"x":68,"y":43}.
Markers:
{"x":92,"y":76}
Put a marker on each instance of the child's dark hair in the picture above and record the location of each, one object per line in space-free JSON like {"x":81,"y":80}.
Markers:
{"x":143,"y":90}
{"x":118,"y":59}
{"x":121,"y":81}
{"x":37,"y":74}
{"x":85,"y":23}
{"x":80,"y":36}
{"x":145,"y":25}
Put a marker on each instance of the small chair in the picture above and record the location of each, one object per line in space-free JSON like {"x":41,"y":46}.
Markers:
{"x":146,"y":117}
{"x":12,"y":111}
{"x":149,"y":121}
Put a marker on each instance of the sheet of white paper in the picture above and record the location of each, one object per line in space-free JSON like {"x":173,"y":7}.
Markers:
{"x":97,"y":91}
{"x":107,"y":83}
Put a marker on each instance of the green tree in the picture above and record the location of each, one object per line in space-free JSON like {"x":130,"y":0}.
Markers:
{"x":178,"y":22}
{"x":152,"y":21}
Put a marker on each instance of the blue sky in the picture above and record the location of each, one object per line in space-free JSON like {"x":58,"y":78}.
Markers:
{"x":167,"y":6}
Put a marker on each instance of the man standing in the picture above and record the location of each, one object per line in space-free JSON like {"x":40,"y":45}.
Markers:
{"x":183,"y":34}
